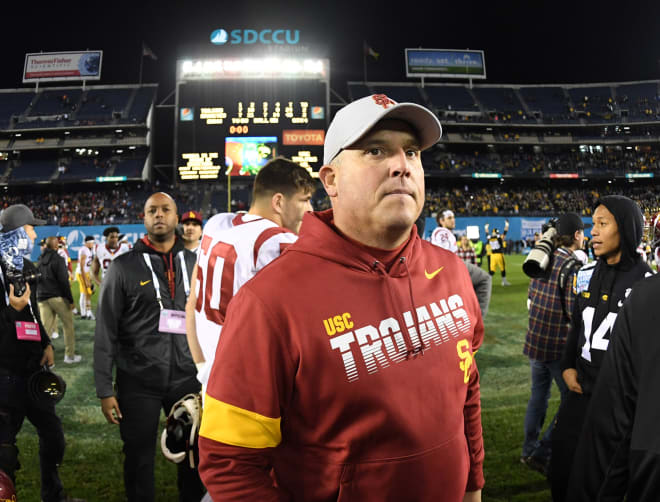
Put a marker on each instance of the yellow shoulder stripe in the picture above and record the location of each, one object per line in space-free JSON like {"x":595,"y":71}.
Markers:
{"x":238,"y":427}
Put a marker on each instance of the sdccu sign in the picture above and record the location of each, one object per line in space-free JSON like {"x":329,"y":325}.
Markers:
{"x":247,"y":37}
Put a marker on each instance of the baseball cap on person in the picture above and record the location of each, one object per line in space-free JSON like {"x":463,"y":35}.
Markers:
{"x":16,"y":216}
{"x":355,"y":119}
{"x":191,"y":215}
{"x":569,"y":223}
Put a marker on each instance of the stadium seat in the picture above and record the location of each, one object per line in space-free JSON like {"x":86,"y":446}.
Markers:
{"x":34,"y":170}
{"x":13,"y":104}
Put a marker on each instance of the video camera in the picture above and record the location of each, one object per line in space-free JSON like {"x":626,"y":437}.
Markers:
{"x":538,"y":259}
{"x":19,"y":278}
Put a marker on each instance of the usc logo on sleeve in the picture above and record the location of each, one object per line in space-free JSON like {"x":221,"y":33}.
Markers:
{"x":463,"y":349}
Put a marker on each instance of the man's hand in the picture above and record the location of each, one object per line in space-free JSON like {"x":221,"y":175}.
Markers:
{"x":110,"y":409}
{"x":72,"y":306}
{"x":570,"y":377}
{"x":472,"y":496}
{"x":48,"y":357}
{"x":18,"y":303}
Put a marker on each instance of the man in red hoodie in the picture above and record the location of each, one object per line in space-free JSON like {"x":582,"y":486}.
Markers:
{"x":367,"y":391}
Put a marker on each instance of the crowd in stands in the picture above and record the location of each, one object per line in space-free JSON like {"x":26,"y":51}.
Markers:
{"x":82,"y":208}
{"x":125,"y":205}
{"x":499,"y":201}
{"x":612,"y":161}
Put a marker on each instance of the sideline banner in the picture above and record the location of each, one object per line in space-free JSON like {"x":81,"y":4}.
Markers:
{"x":55,"y":66}
{"x":529,"y":227}
{"x":519,"y":227}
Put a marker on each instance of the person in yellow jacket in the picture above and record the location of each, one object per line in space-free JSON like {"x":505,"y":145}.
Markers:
{"x":495,"y":245}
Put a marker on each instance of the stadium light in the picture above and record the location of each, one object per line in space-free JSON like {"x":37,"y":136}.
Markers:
{"x":270,"y":67}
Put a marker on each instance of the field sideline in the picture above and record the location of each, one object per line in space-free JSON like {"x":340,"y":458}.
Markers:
{"x":92,"y":467}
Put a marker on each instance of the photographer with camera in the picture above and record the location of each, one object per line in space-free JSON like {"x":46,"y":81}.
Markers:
{"x":552,"y":264}
{"x":24,"y":349}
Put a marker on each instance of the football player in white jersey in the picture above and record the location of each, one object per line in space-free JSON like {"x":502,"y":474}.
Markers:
{"x":235,"y":247}
{"x":443,"y":234}
{"x":63,"y":251}
{"x":85,"y":259}
{"x":106,"y":253}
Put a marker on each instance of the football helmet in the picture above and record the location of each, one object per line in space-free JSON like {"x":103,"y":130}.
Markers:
{"x":179,"y":438}
{"x":7,"y":490}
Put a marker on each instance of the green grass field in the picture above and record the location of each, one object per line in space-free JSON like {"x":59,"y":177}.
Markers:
{"x":92,"y":466}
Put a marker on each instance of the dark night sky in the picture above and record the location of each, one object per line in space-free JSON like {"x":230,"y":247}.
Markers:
{"x":525,"y":42}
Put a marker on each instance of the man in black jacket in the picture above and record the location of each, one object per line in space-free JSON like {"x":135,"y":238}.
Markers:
{"x":601,"y":288}
{"x":618,"y":450}
{"x":55,"y":298}
{"x":140,"y":329}
{"x":24,"y":348}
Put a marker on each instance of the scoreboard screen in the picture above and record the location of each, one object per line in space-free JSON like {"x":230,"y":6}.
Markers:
{"x":234,"y":126}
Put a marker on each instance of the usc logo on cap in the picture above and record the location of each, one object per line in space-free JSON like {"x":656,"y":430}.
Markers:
{"x":191,"y":214}
{"x":382,"y":100}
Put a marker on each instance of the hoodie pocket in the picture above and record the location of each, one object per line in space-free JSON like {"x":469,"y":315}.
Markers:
{"x":437,"y":474}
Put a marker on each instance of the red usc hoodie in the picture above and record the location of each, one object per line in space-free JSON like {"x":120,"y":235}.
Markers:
{"x":337,"y":380}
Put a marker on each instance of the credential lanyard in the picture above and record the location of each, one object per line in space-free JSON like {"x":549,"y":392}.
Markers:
{"x":184,"y":270}
{"x":2,"y":279}
{"x":147,"y":260}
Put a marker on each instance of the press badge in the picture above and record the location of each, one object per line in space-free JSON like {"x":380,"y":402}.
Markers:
{"x":582,"y":280}
{"x":27,"y":330}
{"x":172,"y":321}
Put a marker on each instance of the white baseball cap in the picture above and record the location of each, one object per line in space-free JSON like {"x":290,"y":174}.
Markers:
{"x":357,"y":118}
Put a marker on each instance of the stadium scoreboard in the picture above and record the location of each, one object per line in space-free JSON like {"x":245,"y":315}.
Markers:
{"x":233,"y":116}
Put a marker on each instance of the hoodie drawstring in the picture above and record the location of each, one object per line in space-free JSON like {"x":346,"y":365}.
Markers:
{"x":421,"y":347}
{"x":411,"y":349}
